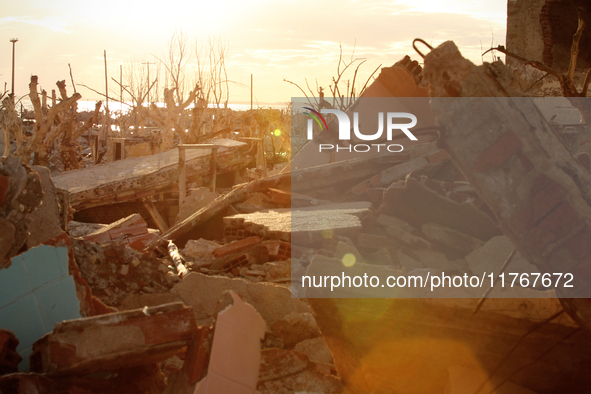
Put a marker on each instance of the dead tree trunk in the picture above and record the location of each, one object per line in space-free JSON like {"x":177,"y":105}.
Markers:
{"x":70,"y":130}
{"x":11,"y":123}
{"x":169,"y":119}
{"x":39,"y":144}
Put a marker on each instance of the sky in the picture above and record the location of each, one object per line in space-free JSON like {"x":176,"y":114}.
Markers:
{"x":271,"y":39}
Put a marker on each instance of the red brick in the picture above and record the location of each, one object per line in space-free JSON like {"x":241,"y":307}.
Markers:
{"x":556,"y":225}
{"x":236,"y":246}
{"x":506,"y":146}
{"x":526,"y":163}
{"x":278,"y":250}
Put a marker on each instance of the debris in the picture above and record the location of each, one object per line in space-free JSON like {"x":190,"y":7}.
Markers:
{"x":138,"y":177}
{"x":132,"y":229}
{"x":200,"y":251}
{"x":177,"y":259}
{"x":490,"y":257}
{"x":109,"y":342}
{"x":236,"y":246}
{"x":202,"y":293}
{"x":303,"y":225}
{"x":289,"y":371}
{"x":455,"y":240}
{"x":420,"y":200}
{"x":235,"y":352}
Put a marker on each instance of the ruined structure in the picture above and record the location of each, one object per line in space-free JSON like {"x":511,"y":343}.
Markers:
{"x":542,"y":30}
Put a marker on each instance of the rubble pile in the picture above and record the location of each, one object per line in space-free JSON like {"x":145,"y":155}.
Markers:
{"x":123,"y":308}
{"x":115,"y":271}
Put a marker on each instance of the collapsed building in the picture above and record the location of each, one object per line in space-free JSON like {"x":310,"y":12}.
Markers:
{"x":216,"y":302}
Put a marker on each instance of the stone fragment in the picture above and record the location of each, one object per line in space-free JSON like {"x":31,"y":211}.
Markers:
{"x":461,"y":242}
{"x":202,"y":292}
{"x":316,"y":350}
{"x":491,"y":256}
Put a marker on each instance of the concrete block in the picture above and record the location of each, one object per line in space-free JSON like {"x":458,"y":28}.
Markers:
{"x":202,"y":292}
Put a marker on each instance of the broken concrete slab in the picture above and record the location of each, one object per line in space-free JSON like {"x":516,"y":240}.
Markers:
{"x":407,"y":238}
{"x":432,"y":259}
{"x":128,"y":227}
{"x":492,"y":255}
{"x":316,"y":350}
{"x":460,"y":242}
{"x":392,"y":221}
{"x":276,"y":363}
{"x":140,"y":177}
{"x":304,"y":225}
{"x":294,"y":328}
{"x":113,"y":341}
{"x":419,"y":201}
{"x":200,"y":251}
{"x":202,"y":292}
{"x":235,"y":351}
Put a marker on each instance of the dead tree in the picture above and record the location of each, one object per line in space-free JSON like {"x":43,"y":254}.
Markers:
{"x":11,"y":123}
{"x":43,"y":132}
{"x":344,"y":91}
{"x":71,"y":129}
{"x":566,"y":80}
{"x":168,"y":118}
{"x":209,"y":87}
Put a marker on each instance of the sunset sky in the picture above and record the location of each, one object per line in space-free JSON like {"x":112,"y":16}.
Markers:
{"x":272,"y":39}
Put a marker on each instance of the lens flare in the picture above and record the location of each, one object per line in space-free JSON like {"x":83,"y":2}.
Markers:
{"x":349,"y":260}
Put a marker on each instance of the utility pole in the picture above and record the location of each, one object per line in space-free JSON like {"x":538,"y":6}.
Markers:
{"x":148,"y":63}
{"x":121,"y":84}
{"x":250,"y":91}
{"x":13,"y":40}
